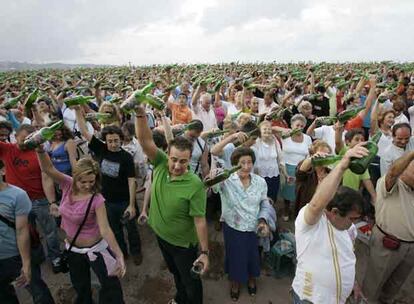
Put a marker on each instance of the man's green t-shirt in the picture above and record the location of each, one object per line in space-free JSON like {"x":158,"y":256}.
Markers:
{"x":175,"y":203}
{"x":350,"y":179}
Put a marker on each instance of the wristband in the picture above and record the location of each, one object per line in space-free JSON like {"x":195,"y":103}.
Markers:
{"x":205,"y":252}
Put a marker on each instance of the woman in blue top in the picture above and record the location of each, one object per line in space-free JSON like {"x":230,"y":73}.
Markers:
{"x":62,"y":150}
{"x":241,"y":196}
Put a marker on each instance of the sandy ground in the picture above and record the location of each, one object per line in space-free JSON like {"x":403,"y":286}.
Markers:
{"x":151,"y":282}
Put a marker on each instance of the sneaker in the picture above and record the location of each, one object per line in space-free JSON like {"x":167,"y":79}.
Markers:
{"x":56,"y":265}
{"x":285,"y":218}
{"x":137,"y":259}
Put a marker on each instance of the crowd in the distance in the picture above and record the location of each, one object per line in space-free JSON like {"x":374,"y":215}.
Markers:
{"x":268,"y":124}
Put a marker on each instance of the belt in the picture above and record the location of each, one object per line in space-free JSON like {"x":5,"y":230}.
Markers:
{"x":402,"y":241}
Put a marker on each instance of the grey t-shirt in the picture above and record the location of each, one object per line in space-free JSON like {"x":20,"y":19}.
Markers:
{"x":13,"y":202}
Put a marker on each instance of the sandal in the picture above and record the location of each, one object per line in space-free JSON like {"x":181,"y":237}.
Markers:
{"x":234,"y":295}
{"x":252,"y":290}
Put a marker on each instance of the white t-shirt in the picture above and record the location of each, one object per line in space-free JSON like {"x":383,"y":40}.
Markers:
{"x":327,"y":134}
{"x":207,"y":118}
{"x":69,"y":118}
{"x":325,"y":272}
{"x":384,"y":142}
{"x":391,"y":153}
{"x":263,"y":108}
{"x":230,"y":107}
{"x":400,"y":119}
{"x":411,"y":112}
{"x":294,"y":152}
{"x":266,"y":159}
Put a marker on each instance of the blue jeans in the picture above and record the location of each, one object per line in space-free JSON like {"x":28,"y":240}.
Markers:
{"x":47,"y":225}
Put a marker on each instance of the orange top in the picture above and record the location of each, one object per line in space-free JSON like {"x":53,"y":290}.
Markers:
{"x":180,"y":114}
{"x":354,"y":123}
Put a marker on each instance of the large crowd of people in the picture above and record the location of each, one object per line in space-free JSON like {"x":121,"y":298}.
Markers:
{"x":286,"y":138}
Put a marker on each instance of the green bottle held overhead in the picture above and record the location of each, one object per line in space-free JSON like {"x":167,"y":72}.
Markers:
{"x":136,"y":98}
{"x":325,"y":121}
{"x":31,"y":100}
{"x":115,"y":100}
{"x":221,"y":177}
{"x":292,"y":133}
{"x":187,"y":127}
{"x":37,"y":138}
{"x":215,"y":134}
{"x":11,"y":103}
{"x":325,"y":161}
{"x":255,"y":132}
{"x":360,"y":165}
{"x":277,"y":114}
{"x":346,"y":115}
{"x":101,"y":117}
{"x":154,"y":101}
{"x":77,"y":100}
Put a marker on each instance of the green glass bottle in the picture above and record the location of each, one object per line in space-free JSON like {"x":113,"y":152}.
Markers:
{"x":101,"y":117}
{"x":342,"y":84}
{"x":234,"y":116}
{"x":255,"y":132}
{"x":31,"y":100}
{"x":292,"y":133}
{"x":37,"y":138}
{"x":187,"y":127}
{"x":346,"y":115}
{"x":221,"y":177}
{"x":359,"y":165}
{"x":115,"y":100}
{"x":215,"y":134}
{"x":171,"y":87}
{"x":325,"y":161}
{"x":154,"y":101}
{"x":136,"y":98}
{"x":77,"y":100}
{"x":11,"y":103}
{"x":218,"y":85}
{"x":325,"y":121}
{"x":382,"y":98}
{"x":277,"y":114}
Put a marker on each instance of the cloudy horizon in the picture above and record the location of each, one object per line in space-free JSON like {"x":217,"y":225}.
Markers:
{"x":192,"y":31}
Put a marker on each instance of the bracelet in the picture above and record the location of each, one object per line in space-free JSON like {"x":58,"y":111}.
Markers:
{"x":205,"y":252}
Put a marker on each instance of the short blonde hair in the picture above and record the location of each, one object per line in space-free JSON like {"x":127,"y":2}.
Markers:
{"x":86,"y":166}
{"x":317,"y":144}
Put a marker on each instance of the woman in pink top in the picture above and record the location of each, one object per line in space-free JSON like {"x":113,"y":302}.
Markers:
{"x":95,"y":247}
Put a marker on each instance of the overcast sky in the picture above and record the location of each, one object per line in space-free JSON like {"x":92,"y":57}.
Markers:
{"x":147,"y":32}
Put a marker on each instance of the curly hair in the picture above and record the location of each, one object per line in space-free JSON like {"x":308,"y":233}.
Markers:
{"x":318,"y":144}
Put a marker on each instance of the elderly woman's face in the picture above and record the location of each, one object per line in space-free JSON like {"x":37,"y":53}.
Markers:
{"x":246,"y":164}
{"x":298,"y":124}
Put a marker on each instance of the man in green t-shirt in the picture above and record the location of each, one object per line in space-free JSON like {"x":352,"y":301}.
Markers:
{"x":177,"y":212}
{"x":351,"y":179}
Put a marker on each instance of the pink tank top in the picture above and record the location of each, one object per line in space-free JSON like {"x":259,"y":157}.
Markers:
{"x":73,"y":212}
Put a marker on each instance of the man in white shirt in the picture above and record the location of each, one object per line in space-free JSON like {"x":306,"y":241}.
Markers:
{"x":267,"y":103}
{"x":325,"y":271}
{"x":203,"y":111}
{"x":402,"y":141}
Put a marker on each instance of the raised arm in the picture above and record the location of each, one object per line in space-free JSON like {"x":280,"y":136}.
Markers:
{"x":397,"y":169}
{"x":194,"y":99}
{"x":144,"y":134}
{"x":339,"y":143}
{"x":47,"y":167}
{"x":82,"y":124}
{"x":329,"y":185}
{"x":370,"y":98}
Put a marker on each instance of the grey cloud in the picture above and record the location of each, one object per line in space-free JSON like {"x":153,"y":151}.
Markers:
{"x":237,"y":12}
{"x":48,"y":30}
